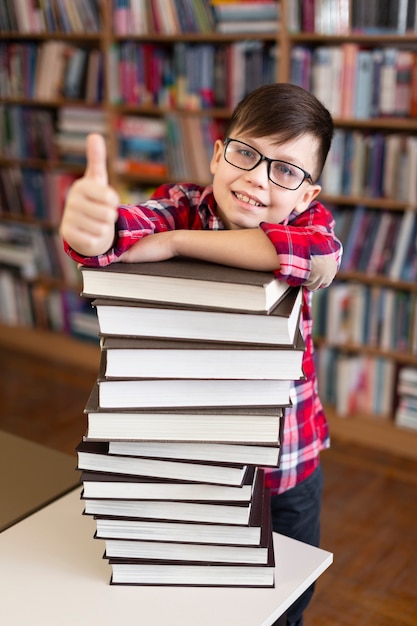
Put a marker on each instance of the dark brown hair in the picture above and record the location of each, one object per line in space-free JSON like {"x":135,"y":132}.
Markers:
{"x":287,"y":112}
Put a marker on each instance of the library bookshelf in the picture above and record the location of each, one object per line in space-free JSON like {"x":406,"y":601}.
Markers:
{"x":91,"y":86}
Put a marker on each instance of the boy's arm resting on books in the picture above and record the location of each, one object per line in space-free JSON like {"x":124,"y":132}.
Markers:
{"x":245,"y":249}
{"x":312,"y":262}
{"x":308,"y":251}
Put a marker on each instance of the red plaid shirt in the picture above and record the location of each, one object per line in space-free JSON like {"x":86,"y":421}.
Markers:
{"x":296,"y":240}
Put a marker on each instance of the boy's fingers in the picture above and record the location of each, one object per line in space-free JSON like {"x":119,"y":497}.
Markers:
{"x":96,"y":159}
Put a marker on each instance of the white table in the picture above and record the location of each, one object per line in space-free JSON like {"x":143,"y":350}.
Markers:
{"x":52,"y":573}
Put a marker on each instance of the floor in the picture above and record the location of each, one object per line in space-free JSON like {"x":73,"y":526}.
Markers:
{"x":369,"y":516}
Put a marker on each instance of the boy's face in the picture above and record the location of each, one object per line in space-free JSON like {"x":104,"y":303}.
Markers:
{"x":247,"y":198}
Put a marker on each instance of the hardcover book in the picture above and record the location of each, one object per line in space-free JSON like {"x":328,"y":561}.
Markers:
{"x":186,"y":281}
{"x":158,"y":393}
{"x":255,"y":533}
{"x":142,"y":572}
{"x":107,"y":485}
{"x":209,"y":512}
{"x":128,"y":357}
{"x":212,"y":566}
{"x":142,"y":319}
{"x":94,"y":456}
{"x":191,"y":552}
{"x":216,"y":452}
{"x":240,"y":425}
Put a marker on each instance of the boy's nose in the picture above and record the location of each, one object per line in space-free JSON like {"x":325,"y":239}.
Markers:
{"x":260,"y":174}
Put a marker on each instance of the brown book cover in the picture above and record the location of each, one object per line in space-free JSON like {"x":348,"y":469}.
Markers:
{"x":186,"y":281}
{"x":197,"y":571}
{"x":254,"y":532}
{"x":93,"y":455}
{"x":127,"y":357}
{"x":240,"y":425}
{"x":174,"y":551}
{"x":108,"y":485}
{"x":145,"y":319}
{"x":250,"y":454}
{"x":196,"y":551}
{"x":180,"y":510}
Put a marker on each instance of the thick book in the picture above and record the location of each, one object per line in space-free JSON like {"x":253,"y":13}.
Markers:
{"x":254,"y":533}
{"x":94,"y":456}
{"x":127,"y":357}
{"x":171,"y":392}
{"x":107,"y":485}
{"x":240,"y":425}
{"x":175,"y":551}
{"x":202,"y":572}
{"x":186,"y":281}
{"x":141,"y":319}
{"x":184,"y":573}
{"x":190,"y":552}
{"x":215,"y":452}
{"x":212,"y":512}
{"x":207,"y":513}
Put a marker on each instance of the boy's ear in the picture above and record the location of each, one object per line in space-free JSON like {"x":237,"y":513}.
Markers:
{"x":307,"y":198}
{"x":217,"y":155}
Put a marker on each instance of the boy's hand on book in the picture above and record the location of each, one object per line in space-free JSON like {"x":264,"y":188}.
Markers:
{"x":323,"y":271}
{"x":90,"y":211}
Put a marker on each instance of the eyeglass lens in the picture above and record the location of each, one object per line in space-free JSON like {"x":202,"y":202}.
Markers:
{"x":246,"y":158}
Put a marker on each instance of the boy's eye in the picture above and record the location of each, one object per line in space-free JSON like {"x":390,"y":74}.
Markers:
{"x":283,"y":169}
{"x":248,"y":154}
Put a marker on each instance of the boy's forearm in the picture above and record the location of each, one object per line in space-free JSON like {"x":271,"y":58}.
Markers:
{"x":247,"y":249}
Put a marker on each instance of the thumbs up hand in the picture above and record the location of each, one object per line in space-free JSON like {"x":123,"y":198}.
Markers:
{"x":90,"y":210}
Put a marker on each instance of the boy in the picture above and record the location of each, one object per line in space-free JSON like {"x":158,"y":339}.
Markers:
{"x":260,"y":213}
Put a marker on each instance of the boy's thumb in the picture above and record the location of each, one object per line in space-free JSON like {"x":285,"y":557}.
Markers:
{"x":96,"y":159}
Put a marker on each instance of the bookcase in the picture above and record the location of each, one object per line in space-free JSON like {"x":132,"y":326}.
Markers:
{"x":160,"y":84}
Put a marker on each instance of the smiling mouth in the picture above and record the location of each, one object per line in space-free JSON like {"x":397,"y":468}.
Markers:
{"x":243,"y":198}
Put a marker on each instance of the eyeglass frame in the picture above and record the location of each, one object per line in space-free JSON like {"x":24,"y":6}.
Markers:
{"x":307,"y":175}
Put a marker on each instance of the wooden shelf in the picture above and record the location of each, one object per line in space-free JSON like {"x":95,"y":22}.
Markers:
{"x":380,"y":434}
{"x":383,"y":204}
{"x":377,"y":280}
{"x":373,"y":39}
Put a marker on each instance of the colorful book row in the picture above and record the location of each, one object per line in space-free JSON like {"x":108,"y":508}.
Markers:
{"x":357,"y":82}
{"x":189,"y":76}
{"x":406,"y":410}
{"x":378,"y":242}
{"x":50,"y":70}
{"x":31,"y":305}
{"x":50,"y":16}
{"x":32,"y":253}
{"x":173,"y":17}
{"x":40,"y":134}
{"x":26,"y":133}
{"x":33,"y":193}
{"x":376,"y":165}
{"x":356,"y":384}
{"x":357,"y":315}
{"x":340,"y":17}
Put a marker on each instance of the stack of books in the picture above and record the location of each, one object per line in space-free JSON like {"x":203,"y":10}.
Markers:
{"x":197,"y":361}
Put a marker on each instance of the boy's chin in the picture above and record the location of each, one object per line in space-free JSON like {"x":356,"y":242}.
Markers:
{"x":241,"y":224}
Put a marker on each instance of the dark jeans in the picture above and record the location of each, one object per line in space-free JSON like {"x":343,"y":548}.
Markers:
{"x":296,"y":514}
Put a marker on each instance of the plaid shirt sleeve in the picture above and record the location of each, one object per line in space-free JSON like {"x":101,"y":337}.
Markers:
{"x":171,"y":207}
{"x":301,"y":237}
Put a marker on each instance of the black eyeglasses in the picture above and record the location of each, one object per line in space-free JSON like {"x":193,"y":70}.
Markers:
{"x":281,"y":173}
